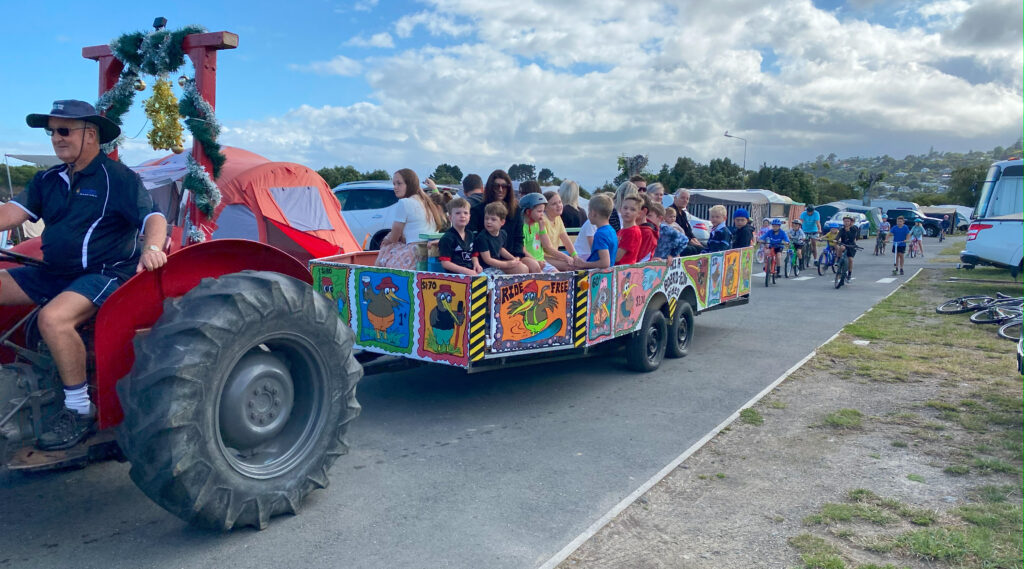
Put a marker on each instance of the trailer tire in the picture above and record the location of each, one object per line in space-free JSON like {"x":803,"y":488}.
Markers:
{"x":646,"y":347}
{"x":680,"y":331}
{"x":239,"y":400}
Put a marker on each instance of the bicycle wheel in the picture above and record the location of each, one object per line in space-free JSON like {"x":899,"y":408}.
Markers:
{"x":787,"y":263}
{"x":995,"y":315}
{"x":759,"y":256}
{"x":963,"y":304}
{"x":840,"y":269}
{"x":796,"y":267}
{"x":769,"y":271}
{"x":1011,"y":330}
{"x":822,"y":259}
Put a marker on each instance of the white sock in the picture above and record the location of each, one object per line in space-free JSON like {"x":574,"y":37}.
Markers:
{"x":76,"y":398}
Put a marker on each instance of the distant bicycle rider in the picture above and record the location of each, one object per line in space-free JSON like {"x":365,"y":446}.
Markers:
{"x":810,"y":221}
{"x":776,"y":240}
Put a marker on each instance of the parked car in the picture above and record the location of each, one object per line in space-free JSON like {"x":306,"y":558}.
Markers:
{"x":368,"y":208}
{"x":701,"y":227}
{"x":931,"y":225}
{"x":859,"y":219}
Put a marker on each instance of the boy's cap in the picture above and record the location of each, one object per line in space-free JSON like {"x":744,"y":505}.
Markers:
{"x":741,"y":212}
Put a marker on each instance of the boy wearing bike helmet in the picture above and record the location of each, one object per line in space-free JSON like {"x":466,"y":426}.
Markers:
{"x":776,"y":239}
{"x":848,"y":240}
{"x":797,"y":237}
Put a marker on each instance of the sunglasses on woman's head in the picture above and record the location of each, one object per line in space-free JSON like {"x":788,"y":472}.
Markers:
{"x":63,"y":130}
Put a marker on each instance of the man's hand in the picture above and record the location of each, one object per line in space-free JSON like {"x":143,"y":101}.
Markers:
{"x":151,"y":260}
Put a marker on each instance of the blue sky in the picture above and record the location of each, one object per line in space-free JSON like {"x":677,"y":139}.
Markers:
{"x":568,"y":84}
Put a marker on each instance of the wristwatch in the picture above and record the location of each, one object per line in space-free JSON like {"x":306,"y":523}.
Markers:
{"x":153,"y":248}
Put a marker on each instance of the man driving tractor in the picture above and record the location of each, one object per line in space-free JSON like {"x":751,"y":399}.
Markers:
{"x":95,"y":209}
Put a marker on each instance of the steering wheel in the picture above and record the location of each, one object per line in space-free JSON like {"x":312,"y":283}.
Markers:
{"x":6,"y":255}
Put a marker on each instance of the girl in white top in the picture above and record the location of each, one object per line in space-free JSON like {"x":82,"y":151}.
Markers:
{"x":415,"y":214}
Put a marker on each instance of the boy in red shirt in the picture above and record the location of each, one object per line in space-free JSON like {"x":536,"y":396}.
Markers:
{"x":648,"y":229}
{"x":629,"y":235}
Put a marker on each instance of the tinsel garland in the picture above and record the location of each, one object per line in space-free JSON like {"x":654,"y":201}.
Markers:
{"x":160,"y":53}
{"x":162,"y":110}
{"x":636,"y":164}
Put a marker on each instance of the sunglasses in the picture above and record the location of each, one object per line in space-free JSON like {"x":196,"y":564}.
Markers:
{"x":63,"y":130}
{"x":502,"y":185}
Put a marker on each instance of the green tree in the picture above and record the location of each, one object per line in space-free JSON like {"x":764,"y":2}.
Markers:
{"x":447,"y":174}
{"x":378,"y":174}
{"x":545,"y":176}
{"x":20,"y":176}
{"x":522,"y":172}
{"x":965,"y":185}
{"x":339,"y":175}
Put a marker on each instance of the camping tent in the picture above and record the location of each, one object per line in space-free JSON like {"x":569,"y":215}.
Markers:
{"x":759,"y":203}
{"x":283,"y":204}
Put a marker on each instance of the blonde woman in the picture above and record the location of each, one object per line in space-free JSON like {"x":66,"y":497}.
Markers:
{"x":572,"y":214}
{"x":415,"y":214}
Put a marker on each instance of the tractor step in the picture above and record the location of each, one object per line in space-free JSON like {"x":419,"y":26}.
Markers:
{"x":101,"y":446}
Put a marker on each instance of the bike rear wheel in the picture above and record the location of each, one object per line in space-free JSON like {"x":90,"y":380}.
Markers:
{"x":995,"y":315}
{"x":822,"y":259}
{"x":840,"y":268}
{"x":963,"y":304}
{"x":787,"y":263}
{"x":1011,"y":330}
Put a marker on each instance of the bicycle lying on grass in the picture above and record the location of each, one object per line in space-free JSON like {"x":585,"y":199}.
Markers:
{"x":1001,"y":309}
{"x":976,"y":302}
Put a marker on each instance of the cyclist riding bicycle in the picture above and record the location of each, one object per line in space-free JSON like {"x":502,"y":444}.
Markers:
{"x":848,"y":244}
{"x":917,"y":235}
{"x":810,"y":221}
{"x":883,"y":234}
{"x":776,"y":240}
{"x":797,"y":237}
{"x":946,"y":225}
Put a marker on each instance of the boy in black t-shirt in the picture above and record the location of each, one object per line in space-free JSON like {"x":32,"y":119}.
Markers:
{"x":489,"y":244}
{"x":456,"y":245}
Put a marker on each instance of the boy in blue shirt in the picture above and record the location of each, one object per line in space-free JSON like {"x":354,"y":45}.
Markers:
{"x":606,"y":243}
{"x":721,"y":237}
{"x":776,"y":241}
{"x":899,"y":243}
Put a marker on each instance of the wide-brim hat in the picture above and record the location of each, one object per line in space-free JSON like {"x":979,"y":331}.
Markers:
{"x":78,"y":110}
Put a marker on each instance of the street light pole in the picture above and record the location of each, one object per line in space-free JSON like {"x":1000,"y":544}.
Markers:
{"x":727,"y":135}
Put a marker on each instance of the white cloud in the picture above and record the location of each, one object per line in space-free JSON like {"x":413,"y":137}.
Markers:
{"x":365,"y":5}
{"x":382,"y":39}
{"x":340,"y":65}
{"x":573,"y":84}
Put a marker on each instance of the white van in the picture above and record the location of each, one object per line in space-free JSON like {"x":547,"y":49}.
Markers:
{"x":996,"y":234}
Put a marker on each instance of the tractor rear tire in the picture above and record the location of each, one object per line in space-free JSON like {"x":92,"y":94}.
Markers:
{"x":680,"y":331}
{"x":239,"y":400}
{"x":646,"y":347}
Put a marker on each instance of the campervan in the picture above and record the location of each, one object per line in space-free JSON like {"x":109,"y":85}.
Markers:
{"x":997,"y":226}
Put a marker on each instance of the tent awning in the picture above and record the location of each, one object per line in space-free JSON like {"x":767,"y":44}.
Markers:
{"x":44,"y":160}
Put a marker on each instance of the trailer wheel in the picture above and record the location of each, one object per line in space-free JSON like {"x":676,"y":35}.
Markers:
{"x":239,"y":400}
{"x":680,"y":331}
{"x":646,"y":347}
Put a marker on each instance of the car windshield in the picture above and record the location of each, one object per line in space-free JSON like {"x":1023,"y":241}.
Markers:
{"x":359,"y":199}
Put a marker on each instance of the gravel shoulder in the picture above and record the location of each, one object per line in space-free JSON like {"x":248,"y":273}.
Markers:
{"x":936,"y":406}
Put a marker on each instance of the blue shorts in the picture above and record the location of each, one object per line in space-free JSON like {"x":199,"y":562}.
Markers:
{"x":42,"y":286}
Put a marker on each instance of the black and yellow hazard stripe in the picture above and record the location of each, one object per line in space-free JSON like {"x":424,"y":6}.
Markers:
{"x":477,"y":318}
{"x":580,"y":314}
{"x":672,"y":307}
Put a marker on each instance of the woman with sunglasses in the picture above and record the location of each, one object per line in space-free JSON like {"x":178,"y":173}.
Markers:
{"x":499,"y":189}
{"x":416,"y":214}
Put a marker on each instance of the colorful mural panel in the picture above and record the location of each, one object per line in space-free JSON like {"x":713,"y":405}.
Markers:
{"x":697,"y":269}
{"x":384,"y":304}
{"x":602,"y":297}
{"x":631,"y":297}
{"x":531,"y":311}
{"x":746,"y":265}
{"x":731,"y":278}
{"x":332,"y":282}
{"x":442,"y":318}
{"x":715,"y":275}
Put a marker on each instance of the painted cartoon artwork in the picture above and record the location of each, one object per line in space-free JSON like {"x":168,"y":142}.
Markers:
{"x":715,"y":274}
{"x":602,"y":295}
{"x":697,"y":269}
{"x":731,"y":278}
{"x":383,"y":298}
{"x":531,"y":311}
{"x":631,"y":298}
{"x":442,"y":318}
{"x":332,"y":282}
{"x":746,"y":263}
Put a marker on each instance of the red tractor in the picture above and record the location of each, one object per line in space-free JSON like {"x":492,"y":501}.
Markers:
{"x":224,"y":379}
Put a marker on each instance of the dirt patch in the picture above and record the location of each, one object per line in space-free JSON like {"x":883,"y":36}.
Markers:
{"x":922,"y":436}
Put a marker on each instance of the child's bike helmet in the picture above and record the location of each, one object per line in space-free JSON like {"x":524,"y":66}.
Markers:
{"x":530,"y":201}
{"x":776,"y":221}
{"x":833,"y":225}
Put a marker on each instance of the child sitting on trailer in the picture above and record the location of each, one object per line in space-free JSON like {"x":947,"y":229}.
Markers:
{"x":605,"y":245}
{"x":490,"y":243}
{"x":456,"y":245}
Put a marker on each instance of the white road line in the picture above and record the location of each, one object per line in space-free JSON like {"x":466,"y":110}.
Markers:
{"x":886,"y":280}
{"x":595,"y":527}
{"x":802,"y":278}
{"x":758,"y":275}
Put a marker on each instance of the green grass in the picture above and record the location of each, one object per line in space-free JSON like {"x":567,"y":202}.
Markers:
{"x":898,"y":444}
{"x":991,"y":465}
{"x":751,"y":417}
{"x":832,"y":513}
{"x":957,"y":470}
{"x":915,"y":478}
{"x":778,"y":404}
{"x":845,"y":419}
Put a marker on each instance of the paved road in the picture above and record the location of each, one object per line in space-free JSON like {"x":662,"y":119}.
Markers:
{"x":493,"y":470}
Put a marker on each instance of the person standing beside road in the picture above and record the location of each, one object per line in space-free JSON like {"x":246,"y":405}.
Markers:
{"x":572,"y":214}
{"x":682,"y":199}
{"x":95,"y":209}
{"x":810,"y":221}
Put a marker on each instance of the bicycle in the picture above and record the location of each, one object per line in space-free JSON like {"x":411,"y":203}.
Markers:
{"x":995,"y":315}
{"x":770,"y":266}
{"x":880,"y":243}
{"x":915,"y":248}
{"x":1011,"y":329}
{"x":842,"y":264}
{"x":827,"y":259}
{"x":793,"y":261}
{"x":976,"y":302}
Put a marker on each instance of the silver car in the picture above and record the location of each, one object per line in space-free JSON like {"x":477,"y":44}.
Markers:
{"x":368,"y":208}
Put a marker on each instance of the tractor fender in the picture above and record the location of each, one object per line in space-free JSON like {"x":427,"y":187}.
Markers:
{"x":138,"y":303}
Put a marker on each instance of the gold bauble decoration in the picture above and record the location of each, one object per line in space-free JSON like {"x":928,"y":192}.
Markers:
{"x":162,"y":111}
{"x":177,"y":149}
{"x":182,"y":81}
{"x":140,"y":85}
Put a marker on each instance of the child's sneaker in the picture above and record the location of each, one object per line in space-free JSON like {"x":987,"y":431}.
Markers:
{"x":894,"y":270}
{"x":901,"y":271}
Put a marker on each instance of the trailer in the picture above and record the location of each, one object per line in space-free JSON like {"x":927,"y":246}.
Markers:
{"x":476,"y":323}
